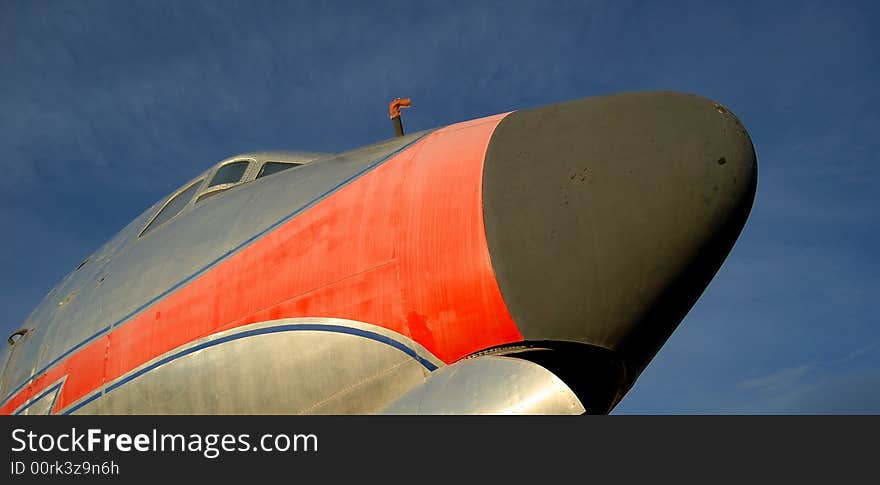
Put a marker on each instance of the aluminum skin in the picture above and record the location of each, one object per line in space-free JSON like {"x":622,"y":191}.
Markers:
{"x":558,"y":247}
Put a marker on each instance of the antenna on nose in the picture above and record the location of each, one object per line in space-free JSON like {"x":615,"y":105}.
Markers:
{"x":394,"y":111}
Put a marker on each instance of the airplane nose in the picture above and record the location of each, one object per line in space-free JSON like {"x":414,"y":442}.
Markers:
{"x":607,"y":217}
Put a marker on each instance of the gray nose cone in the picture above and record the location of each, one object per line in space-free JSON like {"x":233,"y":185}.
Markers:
{"x":607,"y":217}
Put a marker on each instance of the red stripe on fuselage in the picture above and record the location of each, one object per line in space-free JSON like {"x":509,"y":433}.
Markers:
{"x":402,"y":247}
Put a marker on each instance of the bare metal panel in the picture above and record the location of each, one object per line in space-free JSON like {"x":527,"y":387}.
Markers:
{"x":5,"y":355}
{"x":41,"y":404}
{"x":50,"y":319}
{"x":290,"y":368}
{"x":489,"y":385}
{"x":128,"y":273}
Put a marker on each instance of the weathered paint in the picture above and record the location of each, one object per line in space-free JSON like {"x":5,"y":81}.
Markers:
{"x":402,"y":246}
{"x":597,"y":222}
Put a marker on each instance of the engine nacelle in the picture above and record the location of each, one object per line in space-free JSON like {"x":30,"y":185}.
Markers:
{"x":489,"y":384}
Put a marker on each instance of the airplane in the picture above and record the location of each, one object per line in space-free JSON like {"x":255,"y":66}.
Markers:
{"x":530,"y":262}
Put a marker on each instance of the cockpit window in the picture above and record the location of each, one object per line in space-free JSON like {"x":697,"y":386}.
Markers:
{"x":270,"y":168}
{"x":229,"y":173}
{"x":173,"y":207}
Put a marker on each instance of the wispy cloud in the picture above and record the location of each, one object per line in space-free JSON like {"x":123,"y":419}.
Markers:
{"x":780,"y":380}
{"x":862,"y":352}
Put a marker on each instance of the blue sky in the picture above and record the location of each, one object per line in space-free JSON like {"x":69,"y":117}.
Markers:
{"x":108,"y":106}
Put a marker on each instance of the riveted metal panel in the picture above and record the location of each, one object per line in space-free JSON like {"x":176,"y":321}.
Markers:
{"x":288,"y":366}
{"x":129,"y":273}
{"x":489,"y":385}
